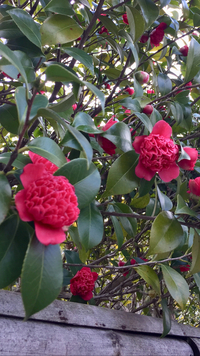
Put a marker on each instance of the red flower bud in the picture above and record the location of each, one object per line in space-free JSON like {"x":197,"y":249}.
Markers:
{"x":150,"y":91}
{"x":107,"y":145}
{"x":148,"y":109}
{"x":144,"y":38}
{"x":125,"y":19}
{"x":184,"y":50}
{"x":74,"y":107}
{"x":107,"y":86}
{"x":129,"y":90}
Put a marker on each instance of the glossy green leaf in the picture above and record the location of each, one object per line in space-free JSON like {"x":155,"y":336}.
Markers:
{"x":120,"y":135}
{"x":22,"y":106}
{"x":176,"y":284}
{"x":19,"y":162}
{"x":164,"y":83}
{"x":185,"y":9}
{"x":85,"y":123}
{"x":164,"y":3}
{"x":145,"y":120}
{"x":73,"y":257}
{"x":109,"y":24}
{"x":165,"y":202}
{"x":166,"y":318}
{"x":117,"y":227}
{"x":131,"y":45}
{"x":26,"y":25}
{"x":82,"y":141}
{"x":64,"y":104}
{"x":39,"y":102}
{"x":5,"y":197}
{"x":86,"y":181}
{"x":195,"y":267}
{"x":121,"y":177}
{"x":149,"y":10}
{"x":9,"y":118}
{"x":57,"y":73}
{"x":150,"y":277}
{"x":138,"y":89}
{"x":59,"y":29}
{"x":136,"y":23}
{"x":60,"y":7}
{"x":13,"y":245}
{"x":96,"y":92}
{"x":166,"y":233}
{"x":129,"y":224}
{"x":6,"y":53}
{"x":9,"y":30}
{"x":193,"y":60}
{"x":42,"y":276}
{"x":80,"y":56}
{"x":90,"y":226}
{"x":67,"y":276}
{"x":47,"y":148}
{"x":182,"y":208}
{"x":145,"y":186}
{"x":50,"y":114}
{"x":131,"y":104}
{"x":140,"y":202}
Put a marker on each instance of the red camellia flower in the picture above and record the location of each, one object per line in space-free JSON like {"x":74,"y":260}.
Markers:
{"x":125,"y":19}
{"x":194,"y":186}
{"x":82,"y":283}
{"x":184,"y":51}
{"x":148,"y":109}
{"x":144,"y":38}
{"x":103,"y":29}
{"x":129,"y":90}
{"x":107,"y":86}
{"x":74,"y":107}
{"x":184,"y":268}
{"x":47,"y":200}
{"x":127,"y":112}
{"x":157,"y":34}
{"x":150,"y":91}
{"x":49,"y":166}
{"x":187,"y":164}
{"x":158,"y":153}
{"x":107,"y":145}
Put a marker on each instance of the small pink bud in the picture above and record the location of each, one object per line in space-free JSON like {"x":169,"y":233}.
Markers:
{"x":142,"y":77}
{"x":148,"y":109}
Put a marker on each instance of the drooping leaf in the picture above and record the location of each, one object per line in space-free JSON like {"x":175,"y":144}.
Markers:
{"x":19,"y":162}
{"x":182,"y":208}
{"x":59,"y":29}
{"x":85,"y":123}
{"x":5,"y":197}
{"x":26,"y":25}
{"x":13,"y":244}
{"x":145,"y":120}
{"x":164,"y":83}
{"x":120,"y":135}
{"x":136,"y":23}
{"x":166,"y":318}
{"x":193,"y":60}
{"x":73,"y":257}
{"x":165,"y":202}
{"x":166,"y":233}
{"x":22,"y":105}
{"x":42,"y":276}
{"x":149,"y":10}
{"x":121,"y":177}
{"x":81,"y":56}
{"x":117,"y":227}
{"x":60,"y":7}
{"x":150,"y":277}
{"x":90,"y":226}
{"x":86,"y":181}
{"x":129,"y":224}
{"x":177,"y":285}
{"x":195,"y":267}
{"x":9,"y":118}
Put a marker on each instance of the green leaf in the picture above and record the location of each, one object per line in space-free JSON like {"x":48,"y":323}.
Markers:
{"x":109,"y":24}
{"x":39,"y":102}
{"x":96,"y":92}
{"x":176,"y":284}
{"x":165,"y":202}
{"x":185,"y":9}
{"x":80,"y":56}
{"x":166,"y":318}
{"x":137,"y":88}
{"x":73,"y":257}
{"x":42,"y":276}
{"x":150,"y":277}
{"x":85,"y":181}
{"x":182,"y":208}
{"x":117,"y":227}
{"x":136,"y":23}
{"x":145,"y":120}
{"x":90,"y":226}
{"x":131,"y":104}
{"x":164,"y":84}
{"x":47,"y":148}
{"x":22,"y":106}
{"x":50,"y":114}
{"x":82,"y":141}
{"x":64,"y":104}
{"x":195,"y":267}
{"x":84,"y":122}
{"x":129,"y":224}
{"x":193,"y":60}
{"x":13,"y":245}
{"x":59,"y":29}
{"x":5,"y":197}
{"x":197,"y":279}
{"x":121,"y":176}
{"x":19,"y":162}
{"x":120,"y":135}
{"x":145,"y":186}
{"x":166,"y":233}
{"x":26,"y":25}
{"x":67,"y":276}
{"x":57,"y":73}
{"x":9,"y":118}
{"x":130,"y":44}
{"x":140,"y":202}
{"x":149,"y":10}
{"x":6,"y":53}
{"x":60,"y":6}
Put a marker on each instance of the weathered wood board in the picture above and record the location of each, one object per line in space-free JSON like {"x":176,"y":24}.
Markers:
{"x":72,"y":329}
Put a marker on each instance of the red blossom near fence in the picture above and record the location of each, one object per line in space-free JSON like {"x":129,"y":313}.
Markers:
{"x":82,"y":283}
{"x":47,"y":200}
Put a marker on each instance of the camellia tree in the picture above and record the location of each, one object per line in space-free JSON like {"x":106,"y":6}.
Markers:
{"x":100,"y":178}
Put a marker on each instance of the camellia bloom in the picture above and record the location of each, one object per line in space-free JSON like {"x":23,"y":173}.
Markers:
{"x":125,"y":19}
{"x":103,"y":29}
{"x":49,"y":201}
{"x":129,"y":90}
{"x":187,"y":164}
{"x":184,"y":268}
{"x":184,"y":51}
{"x":157,"y":34}
{"x":148,"y":109}
{"x":158,"y":153}
{"x":142,"y":77}
{"x":150,"y":91}
{"x":144,"y":38}
{"x":82,"y":283}
{"x":107,"y":145}
{"x":194,"y":186}
{"x":49,"y":166}
{"x":74,"y":107}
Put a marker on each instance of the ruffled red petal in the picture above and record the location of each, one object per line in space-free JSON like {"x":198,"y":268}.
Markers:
{"x":20,"y":205}
{"x":137,"y":143}
{"x":95,"y":276}
{"x":171,"y":173}
{"x":143,"y":172}
{"x":87,"y":296}
{"x":162,"y":128}
{"x":48,"y":235}
{"x":31,"y":173}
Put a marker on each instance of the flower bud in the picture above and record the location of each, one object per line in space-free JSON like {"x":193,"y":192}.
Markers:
{"x":142,"y":77}
{"x":148,"y":109}
{"x":184,"y":51}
